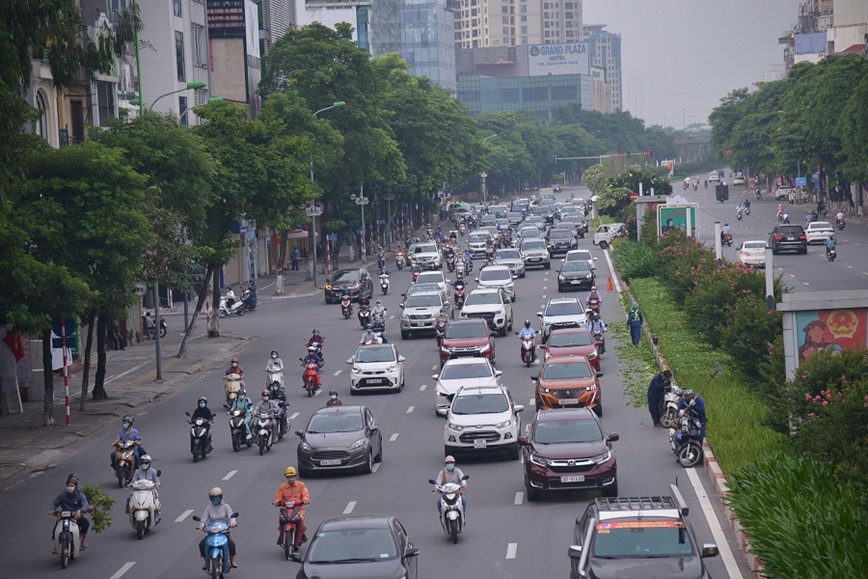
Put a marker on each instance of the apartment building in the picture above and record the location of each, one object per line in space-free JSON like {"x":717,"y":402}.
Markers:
{"x":605,"y":54}
{"x":490,"y":23}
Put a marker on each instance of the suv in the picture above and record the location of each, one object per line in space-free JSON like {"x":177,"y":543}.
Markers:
{"x":491,"y":305}
{"x":421,"y":311}
{"x":638,"y":537}
{"x":466,"y":338}
{"x":482,"y":419}
{"x":561,"y":240}
{"x":561,"y":313}
{"x":566,"y":449}
{"x":425,"y":255}
{"x":510,"y":258}
{"x":568,"y":381}
{"x":534,"y":252}
{"x":788,"y":238}
{"x":476,"y":243}
{"x":497,"y":277}
{"x":784,"y":193}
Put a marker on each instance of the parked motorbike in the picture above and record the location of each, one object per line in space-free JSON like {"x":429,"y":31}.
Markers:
{"x":249,"y":298}
{"x":144,"y":506}
{"x":125,"y":461}
{"x":685,"y":441}
{"x":346,"y":306}
{"x":528,"y":350}
{"x":458,"y":295}
{"x":265,"y":431}
{"x":840,"y":224}
{"x":384,"y":283}
{"x":164,"y":329}
{"x":233,"y":387}
{"x":452,"y":508}
{"x":401,"y":259}
{"x":216,"y":547}
{"x":309,"y":377}
{"x":200,"y":438}
{"x":831,"y":253}
{"x":237,"y":418}
{"x":67,"y":539}
{"x":290,"y":521}
{"x":671,"y":398}
{"x":229,"y":305}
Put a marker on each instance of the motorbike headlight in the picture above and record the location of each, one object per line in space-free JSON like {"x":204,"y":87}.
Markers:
{"x":305,"y":447}
{"x":601,"y":458}
{"x":358,"y":444}
{"x":455,"y":427}
{"x":540,"y":460}
{"x":504,"y":424}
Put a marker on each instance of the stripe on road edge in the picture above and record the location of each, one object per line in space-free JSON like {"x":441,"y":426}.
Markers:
{"x":519,"y":498}
{"x":294,"y":416}
{"x":126,"y":567}
{"x":338,"y":373}
{"x":510,"y":550}
{"x":184,"y":515}
{"x":230,"y":474}
{"x":411,"y":409}
{"x":716,"y":531}
{"x":350,"y":506}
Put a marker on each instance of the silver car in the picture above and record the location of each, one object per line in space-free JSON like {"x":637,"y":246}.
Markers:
{"x":421,"y":311}
{"x":424,"y":255}
{"x":511,"y":258}
{"x":535,"y":253}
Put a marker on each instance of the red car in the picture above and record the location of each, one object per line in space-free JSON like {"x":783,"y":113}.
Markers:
{"x":467,"y":338}
{"x":572,"y":342}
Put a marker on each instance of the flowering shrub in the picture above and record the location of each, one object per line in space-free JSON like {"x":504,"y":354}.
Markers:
{"x":682,"y":262}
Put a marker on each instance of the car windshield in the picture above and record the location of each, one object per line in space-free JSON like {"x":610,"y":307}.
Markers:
{"x":347,"y":275}
{"x":569,"y":339}
{"x":529,"y":232}
{"x":560,"y":233}
{"x":430,"y":277}
{"x":566,"y":431}
{"x":422,"y":301}
{"x":507,"y":254}
{"x":375,"y":354}
{"x":579,"y":256}
{"x":461,"y":371}
{"x":483,"y":298}
{"x":645,"y":538}
{"x":564,"y":309}
{"x":426,"y":248}
{"x":477,"y":237}
{"x":502,"y":222}
{"x":576,"y":266}
{"x":533,"y":244}
{"x":566,"y":370}
{"x":754,"y":245}
{"x":495,"y":275}
{"x":352,"y":546}
{"x":480,"y":404}
{"x":819,"y":225}
{"x":335,"y":422}
{"x":465,"y":330}
{"x":514,"y":216}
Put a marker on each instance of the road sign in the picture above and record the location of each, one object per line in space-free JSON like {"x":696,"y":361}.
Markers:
{"x":332,"y":237}
{"x":68,"y":322}
{"x":140,"y":289}
{"x":801,"y":181}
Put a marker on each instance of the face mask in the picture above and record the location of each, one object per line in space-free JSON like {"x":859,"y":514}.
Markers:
{"x":290,"y":481}
{"x":70,"y":489}
{"x":274,"y":356}
{"x":127,"y":425}
{"x":146,"y":465}
{"x":450,"y":467}
{"x":216,"y":500}
{"x":202,"y":405}
{"x":334,"y":396}
{"x":265,"y":399}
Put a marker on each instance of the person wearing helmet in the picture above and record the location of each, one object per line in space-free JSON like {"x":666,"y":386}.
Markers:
{"x":215,"y":512}
{"x":316,"y":340}
{"x":72,"y":499}
{"x":378,"y":312}
{"x":292,"y":490}
{"x":527,"y":331}
{"x":694,"y":405}
{"x":127,"y":432}
{"x":145,"y":472}
{"x":333,"y":399}
{"x":594,"y":296}
{"x":724,"y":232}
{"x":235,"y":368}
{"x":245,"y":405}
{"x":370,"y":336}
{"x":450,"y":474}
{"x":202,"y":411}
{"x":313,"y":356}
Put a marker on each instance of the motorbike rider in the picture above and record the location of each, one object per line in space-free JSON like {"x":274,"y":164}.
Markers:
{"x":724,"y":232}
{"x":738,"y":210}
{"x":267,"y":406}
{"x":145,"y":472}
{"x":245,"y":405}
{"x":746,"y":204}
{"x":202,"y":411}
{"x":214,"y":512}
{"x":780,"y":210}
{"x":785,"y":218}
{"x":127,"y":432}
{"x":450,"y":474}
{"x":313,"y":356}
{"x":378,"y":313}
{"x":594,"y":295}
{"x":316,"y":339}
{"x":831,"y":242}
{"x":369,"y":337}
{"x":333,"y":399}
{"x":656,"y":390}
{"x":597,"y":326}
{"x":235,"y":368}
{"x":839,"y":217}
{"x":527,"y":331}
{"x":72,"y":499}
{"x":695,"y":405}
{"x":274,"y":364}
{"x":292,"y":490}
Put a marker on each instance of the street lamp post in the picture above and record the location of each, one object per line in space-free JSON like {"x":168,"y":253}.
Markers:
{"x":484,"y":174}
{"x":196,"y":85}
{"x":211,"y":100}
{"x":361,"y":201}
{"x":313,"y":211}
{"x":389,"y":197}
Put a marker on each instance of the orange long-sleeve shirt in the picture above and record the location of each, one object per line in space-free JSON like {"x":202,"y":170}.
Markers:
{"x":285,"y":492}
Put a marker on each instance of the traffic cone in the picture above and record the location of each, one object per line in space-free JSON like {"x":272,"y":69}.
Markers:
{"x":609,"y":284}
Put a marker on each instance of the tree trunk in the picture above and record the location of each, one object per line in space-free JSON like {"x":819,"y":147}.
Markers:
{"x":214,"y":330}
{"x":48,"y":380}
{"x":203,"y":291}
{"x":85,"y":374}
{"x":281,"y":254}
{"x":99,"y":392}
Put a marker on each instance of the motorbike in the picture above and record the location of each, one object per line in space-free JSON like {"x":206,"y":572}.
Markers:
{"x":290,"y":519}
{"x":125,"y":461}
{"x":600,"y":343}
{"x":416,"y":271}
{"x":458,"y":296}
{"x":594,"y":305}
{"x":144,"y":507}
{"x":528,"y":350}
{"x":384,"y":283}
{"x":229,"y":305}
{"x":671,"y":398}
{"x":758,"y":195}
{"x":233,"y":387}
{"x":311,"y":372}
{"x":461,"y":228}
{"x":346,"y":306}
{"x":840,"y":224}
{"x":200,"y":438}
{"x":216,"y":547}
{"x":452,"y":508}
{"x":381,"y":261}
{"x":706,"y":185}
{"x":164,"y":329}
{"x":248,"y":299}
{"x":265,"y":431}
{"x":450,"y":262}
{"x":831,"y":253}
{"x":67,"y":539}
{"x":460,"y":269}
{"x":747,"y":210}
{"x":686,"y":185}
{"x":378,"y":326}
{"x":364,"y":316}
{"x":439,"y":331}
{"x":695,"y":186}
{"x":401,"y":259}
{"x":738,"y":215}
{"x":727,"y":239}
{"x":237,"y":418}
{"x":685,"y":441}
{"x":273,"y":379}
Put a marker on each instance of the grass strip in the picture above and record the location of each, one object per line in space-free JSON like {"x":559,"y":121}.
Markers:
{"x":636,"y":362}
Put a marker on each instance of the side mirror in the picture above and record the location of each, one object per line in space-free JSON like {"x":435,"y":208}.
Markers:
{"x":401,"y":358}
{"x":595,"y":259}
{"x":188,"y":414}
{"x":159,"y":472}
{"x":465,"y":477}
{"x":442,"y":411}
{"x":519,"y":408}
{"x":299,"y":433}
{"x":411,"y":552}
{"x":522,"y":441}
{"x":539,"y":314}
{"x":349,"y":360}
{"x":435,"y":376}
{"x":432,"y":481}
{"x":575,"y":552}
{"x":600,"y":374}
{"x":613,"y":436}
{"x":196,"y":518}
{"x":498,"y":373}
{"x":709,"y":550}
{"x":534,"y":378}
{"x":476,"y":279}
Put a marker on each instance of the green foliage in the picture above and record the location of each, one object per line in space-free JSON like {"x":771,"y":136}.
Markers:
{"x":102,"y":501}
{"x":596,"y":178}
{"x":748,"y":333}
{"x":801,"y":520}
{"x":633,"y":260}
{"x":682,"y":261}
{"x":637,"y":363}
{"x":649,"y":179}
{"x":853,"y":128}
{"x":612,"y":200}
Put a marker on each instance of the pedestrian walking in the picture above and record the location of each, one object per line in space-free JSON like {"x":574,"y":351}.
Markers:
{"x":295,"y":257}
{"x":634,"y":322}
{"x":656,"y":391}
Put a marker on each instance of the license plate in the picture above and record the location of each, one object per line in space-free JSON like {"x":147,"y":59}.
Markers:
{"x":330,"y":462}
{"x":375,"y":380}
{"x":565,"y":401}
{"x":791,"y":238}
{"x":573,"y":478}
{"x":576,"y":281}
{"x":480,"y":443}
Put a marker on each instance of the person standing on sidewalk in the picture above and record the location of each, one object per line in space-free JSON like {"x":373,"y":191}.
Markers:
{"x":295,"y":255}
{"x":634,"y":322}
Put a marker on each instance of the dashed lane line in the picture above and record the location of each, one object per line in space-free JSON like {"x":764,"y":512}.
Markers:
{"x":337,"y":373}
{"x":519,"y":498}
{"x":294,"y":416}
{"x":511,"y":548}
{"x":422,"y":387}
{"x":126,"y":567}
{"x":230,"y":474}
{"x":376,"y":466}
{"x":394,"y":437}
{"x":411,"y":409}
{"x":184,"y":515}
{"x":350,"y":506}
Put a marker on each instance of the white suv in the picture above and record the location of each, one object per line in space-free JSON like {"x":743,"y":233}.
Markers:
{"x":482,"y":419}
{"x":377,"y":367}
{"x":492,"y":305}
{"x":462,"y":372}
{"x":497,"y":277}
{"x":425,"y":254}
{"x":562,"y":313}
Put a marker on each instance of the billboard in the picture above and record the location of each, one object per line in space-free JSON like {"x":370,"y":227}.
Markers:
{"x":568,"y":58}
{"x":676,"y":218}
{"x":830,"y":331}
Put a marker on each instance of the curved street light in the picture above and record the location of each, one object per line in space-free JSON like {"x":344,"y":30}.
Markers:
{"x":211,"y":100}
{"x":195,"y":85}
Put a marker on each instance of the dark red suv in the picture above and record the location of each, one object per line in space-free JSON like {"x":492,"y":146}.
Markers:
{"x":566,"y":449}
{"x":467,"y":338}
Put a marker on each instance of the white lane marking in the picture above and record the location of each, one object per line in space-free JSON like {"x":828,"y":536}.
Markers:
{"x":411,"y":409}
{"x":422,"y":387}
{"x":532,"y":400}
{"x":850,"y":266}
{"x":126,"y":567}
{"x":519,"y":498}
{"x":350,"y":506}
{"x":122,"y":374}
{"x":510,"y":550}
{"x":318,"y":392}
{"x":392,"y":317}
{"x":376,"y":466}
{"x":434,"y":367}
{"x":394,"y":437}
{"x":293,"y":416}
{"x":545,"y":287}
{"x":338,"y":373}
{"x":184,"y":515}
{"x":725,"y":552}
{"x":230,"y":474}
{"x":792,"y":275}
{"x":806,"y":283}
{"x":537,"y":362}
{"x":544,"y":296}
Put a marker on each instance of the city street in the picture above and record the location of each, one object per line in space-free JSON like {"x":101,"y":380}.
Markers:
{"x":506,"y":537}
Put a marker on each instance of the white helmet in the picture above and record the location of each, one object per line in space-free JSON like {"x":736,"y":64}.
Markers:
{"x":449,"y":459}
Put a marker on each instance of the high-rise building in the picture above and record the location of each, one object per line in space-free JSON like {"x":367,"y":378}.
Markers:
{"x":605,"y":48}
{"x":490,"y":23}
{"x":275,"y":18}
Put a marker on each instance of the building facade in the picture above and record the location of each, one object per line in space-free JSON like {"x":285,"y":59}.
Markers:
{"x":824,"y":28}
{"x":490,"y":23}
{"x":605,"y":54}
{"x":275,"y":18}
{"x":332,"y":12}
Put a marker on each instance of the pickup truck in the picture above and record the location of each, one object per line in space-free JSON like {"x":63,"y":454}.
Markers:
{"x":605,"y":233}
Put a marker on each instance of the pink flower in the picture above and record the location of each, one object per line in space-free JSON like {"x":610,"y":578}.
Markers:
{"x":807,"y":397}
{"x":825,"y":402}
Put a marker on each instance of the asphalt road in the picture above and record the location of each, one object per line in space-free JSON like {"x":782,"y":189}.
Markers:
{"x":811,"y":272}
{"x":506,"y":537}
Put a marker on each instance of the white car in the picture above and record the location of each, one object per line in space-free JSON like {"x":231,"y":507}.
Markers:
{"x":458,"y":372}
{"x":497,"y":277}
{"x":738,"y":179}
{"x":607,"y":232}
{"x":819,"y":232}
{"x":784,"y":193}
{"x":424,"y":254}
{"x":511,"y":258}
{"x":581,"y":255}
{"x":491,"y":305}
{"x":752,"y":253}
{"x":434,"y":277}
{"x":482,"y":419}
{"x":476,"y":243}
{"x":377,"y":367}
{"x":714,"y":177}
{"x":562,"y":313}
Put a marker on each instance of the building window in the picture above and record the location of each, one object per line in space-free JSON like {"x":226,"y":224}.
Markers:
{"x":42,"y":121}
{"x":197,"y":42}
{"x":535,"y":94}
{"x":183,"y":115}
{"x":176,"y":7}
{"x":105,"y":96}
{"x":179,"y":56}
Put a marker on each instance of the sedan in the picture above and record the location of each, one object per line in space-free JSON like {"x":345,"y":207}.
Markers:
{"x":819,"y":232}
{"x":357,"y":282}
{"x":435,"y":277}
{"x":340,"y":438}
{"x":752,"y":253}
{"x":575,"y":275}
{"x":377,"y":367}
{"x":581,"y":255}
{"x":460,"y":372}
{"x":363,"y":547}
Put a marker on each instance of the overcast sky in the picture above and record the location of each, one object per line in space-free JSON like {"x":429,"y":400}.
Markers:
{"x":688,"y":54}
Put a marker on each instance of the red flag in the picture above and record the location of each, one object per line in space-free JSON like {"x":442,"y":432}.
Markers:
{"x":15,"y":341}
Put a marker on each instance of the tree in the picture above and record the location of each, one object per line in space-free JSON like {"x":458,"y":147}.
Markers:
{"x":631,"y":179}
{"x":724,"y":118}
{"x":853,"y":128}
{"x":596,"y":178}
{"x":613,"y":200}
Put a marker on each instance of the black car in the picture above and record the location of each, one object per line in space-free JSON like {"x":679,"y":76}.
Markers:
{"x":365,"y":547}
{"x":340,"y":438}
{"x":357,"y":282}
{"x":631,"y":537}
{"x":788,"y":238}
{"x":575,"y":275}
{"x":561,"y":240}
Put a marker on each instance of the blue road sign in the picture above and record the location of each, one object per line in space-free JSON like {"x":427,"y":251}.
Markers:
{"x":801,"y":181}
{"x":332,"y":237}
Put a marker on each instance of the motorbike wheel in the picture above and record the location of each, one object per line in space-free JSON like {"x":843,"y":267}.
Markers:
{"x":163,"y":332}
{"x":240,"y":311}
{"x":121,"y":476}
{"x":65,"y":550}
{"x":453,"y":531}
{"x":689,"y":455}
{"x":310,"y":386}
{"x":196,"y":453}
{"x":140,"y":530}
{"x":263,"y":442}
{"x":288,"y":543}
{"x":221,"y":313}
{"x":216,"y":569}
{"x":669,"y":417}
{"x":528,"y":361}
{"x":236,"y":442}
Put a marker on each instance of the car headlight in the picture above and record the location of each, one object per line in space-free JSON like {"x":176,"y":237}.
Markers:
{"x":455,"y":427}
{"x":305,"y":446}
{"x":463,"y":314}
{"x":601,"y":458}
{"x":485,"y":348}
{"x":561,"y":278}
{"x":357,"y":369}
{"x":392,"y":368}
{"x":358,"y":444}
{"x":445,"y":350}
{"x":591,"y":388}
{"x":540,"y":460}
{"x":544,"y":390}
{"x":504,"y":424}
{"x":591,"y":355}
{"x":588,"y":276}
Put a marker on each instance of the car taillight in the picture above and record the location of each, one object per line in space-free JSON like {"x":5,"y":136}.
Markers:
{"x":802,"y":237}
{"x":778,"y":237}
